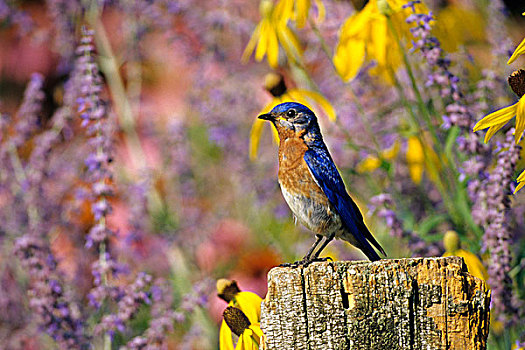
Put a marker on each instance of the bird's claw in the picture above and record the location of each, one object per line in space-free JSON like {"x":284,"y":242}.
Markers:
{"x":305,"y":262}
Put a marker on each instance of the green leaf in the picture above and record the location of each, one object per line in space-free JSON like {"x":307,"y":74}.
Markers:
{"x":428,"y":224}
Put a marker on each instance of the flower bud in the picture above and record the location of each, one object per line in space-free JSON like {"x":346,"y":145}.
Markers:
{"x":451,"y":241}
{"x":226,"y":289}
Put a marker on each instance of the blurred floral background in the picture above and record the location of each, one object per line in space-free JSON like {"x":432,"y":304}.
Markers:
{"x":134,"y":173}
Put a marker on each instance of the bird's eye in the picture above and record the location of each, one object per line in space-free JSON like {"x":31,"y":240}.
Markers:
{"x":291,"y":113}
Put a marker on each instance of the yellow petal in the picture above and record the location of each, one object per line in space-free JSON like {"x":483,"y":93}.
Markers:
{"x":247,"y":341}
{"x":296,"y":96}
{"x":255,"y":137}
{"x":290,"y":42}
{"x":275,"y":102}
{"x":321,"y":11}
{"x":492,"y":130}
{"x":301,"y":12}
{"x":379,"y":41}
{"x":415,"y":150}
{"x":257,"y":332}
{"x":349,"y":58}
{"x":521,"y":177}
{"x":415,"y":159}
{"x":391,"y":153}
{"x":225,"y":337}
{"x":273,"y":49}
{"x":520,"y":119}
{"x":502,"y":115}
{"x":262,"y":44}
{"x":325,"y":105}
{"x":251,"y":44}
{"x":257,"y":127}
{"x":250,"y":304}
{"x":283,"y":11}
{"x":518,"y":52}
{"x":416,"y":172}
{"x":520,"y":185}
{"x":358,"y":25}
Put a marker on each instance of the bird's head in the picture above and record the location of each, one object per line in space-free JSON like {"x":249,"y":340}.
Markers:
{"x":293,"y":119}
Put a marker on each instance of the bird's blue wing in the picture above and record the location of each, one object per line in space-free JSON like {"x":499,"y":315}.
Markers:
{"x":327,"y":176}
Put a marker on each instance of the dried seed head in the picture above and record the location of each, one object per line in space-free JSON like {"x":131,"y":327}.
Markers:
{"x":236,"y":320}
{"x":517,"y":82}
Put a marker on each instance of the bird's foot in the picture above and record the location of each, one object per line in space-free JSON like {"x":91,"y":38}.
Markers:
{"x":305,"y":262}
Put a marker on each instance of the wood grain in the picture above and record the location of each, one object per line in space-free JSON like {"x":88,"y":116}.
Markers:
{"x":431,"y":303}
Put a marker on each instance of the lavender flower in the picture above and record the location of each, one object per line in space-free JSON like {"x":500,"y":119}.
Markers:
{"x":11,"y":14}
{"x":498,"y":235}
{"x":64,"y":14}
{"x":128,"y":303}
{"x":94,"y":116}
{"x":439,"y":74}
{"x":28,"y":119}
{"x":161,"y":322}
{"x":382,"y":204}
{"x":47,"y":297}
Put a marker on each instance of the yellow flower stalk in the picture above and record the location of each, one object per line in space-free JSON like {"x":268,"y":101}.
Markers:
{"x":452,"y":248}
{"x":366,"y":36}
{"x":371,"y":163}
{"x":272,"y":30}
{"x":496,"y":120}
{"x":249,"y":304}
{"x":274,"y":83}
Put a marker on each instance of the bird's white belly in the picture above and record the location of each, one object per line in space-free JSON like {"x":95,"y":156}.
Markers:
{"x":315,"y":215}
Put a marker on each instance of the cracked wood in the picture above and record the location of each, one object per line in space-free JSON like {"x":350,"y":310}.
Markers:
{"x":424,"y":303}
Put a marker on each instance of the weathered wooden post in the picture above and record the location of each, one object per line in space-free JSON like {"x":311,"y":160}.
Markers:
{"x":423,"y":303}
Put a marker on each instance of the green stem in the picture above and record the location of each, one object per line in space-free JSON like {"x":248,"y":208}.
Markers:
{"x":421,"y":104}
{"x":109,"y":66}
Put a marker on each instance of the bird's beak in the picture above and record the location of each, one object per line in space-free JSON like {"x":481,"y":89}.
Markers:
{"x":266,"y":116}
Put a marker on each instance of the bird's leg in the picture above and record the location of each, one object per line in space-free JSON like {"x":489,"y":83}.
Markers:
{"x":306,"y":260}
{"x":325,"y":243}
{"x":318,"y":240}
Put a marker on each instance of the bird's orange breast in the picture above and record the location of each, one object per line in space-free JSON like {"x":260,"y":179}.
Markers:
{"x":294,"y":174}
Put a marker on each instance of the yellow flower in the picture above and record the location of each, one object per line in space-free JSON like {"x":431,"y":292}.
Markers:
{"x":272,"y":30}
{"x":366,"y":35}
{"x":452,"y":248}
{"x":496,"y":120}
{"x":249,"y":333}
{"x":371,"y":163}
{"x":306,"y":97}
{"x":249,"y":305}
{"x":520,"y":50}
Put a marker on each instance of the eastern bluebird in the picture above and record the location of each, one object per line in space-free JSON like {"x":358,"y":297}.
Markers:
{"x":311,"y":184}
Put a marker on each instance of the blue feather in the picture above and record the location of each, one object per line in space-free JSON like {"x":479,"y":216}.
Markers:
{"x":328,"y":178}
